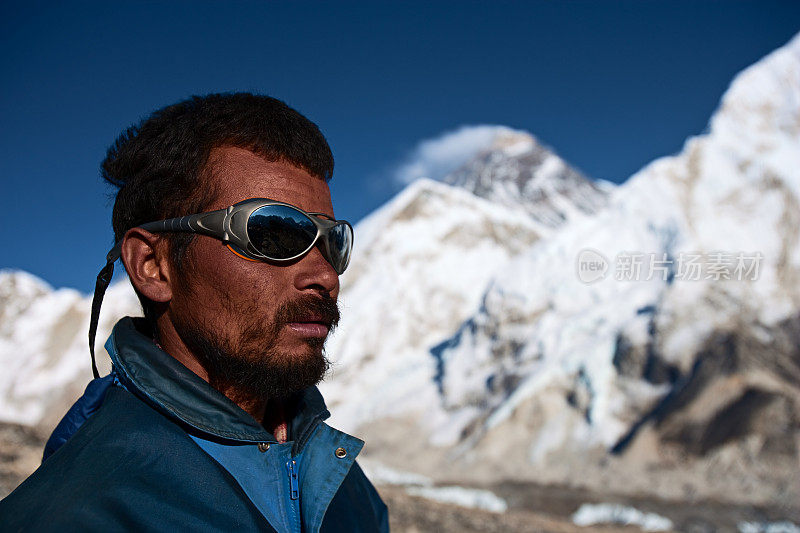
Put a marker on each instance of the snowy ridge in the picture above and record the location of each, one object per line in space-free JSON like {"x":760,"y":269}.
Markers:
{"x":419,"y":266}
{"x":43,"y":345}
{"x":422,"y":261}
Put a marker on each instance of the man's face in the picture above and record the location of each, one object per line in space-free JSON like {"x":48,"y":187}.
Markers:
{"x":257,"y":327}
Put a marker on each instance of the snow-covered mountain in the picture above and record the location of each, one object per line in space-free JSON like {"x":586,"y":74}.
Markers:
{"x":516,"y":171}
{"x":422,"y":261}
{"x":516,"y":320}
{"x":733,"y":191}
{"x":689,"y":370}
{"x":419,"y":266}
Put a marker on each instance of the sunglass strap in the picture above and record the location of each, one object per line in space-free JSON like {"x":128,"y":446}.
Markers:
{"x":103,"y":280}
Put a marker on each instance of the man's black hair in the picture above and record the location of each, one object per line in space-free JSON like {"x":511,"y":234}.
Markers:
{"x":160,"y":164}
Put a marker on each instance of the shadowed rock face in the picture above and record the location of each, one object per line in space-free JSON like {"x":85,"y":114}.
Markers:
{"x":755,"y":412}
{"x":741,"y":387}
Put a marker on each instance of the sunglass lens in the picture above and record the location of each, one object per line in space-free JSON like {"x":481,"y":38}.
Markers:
{"x":340,"y":242}
{"x":280,"y":232}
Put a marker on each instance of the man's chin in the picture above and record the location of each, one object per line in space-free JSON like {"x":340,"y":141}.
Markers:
{"x":263,"y":370}
{"x":288,"y":374}
{"x":279,"y":374}
{"x":298,"y":349}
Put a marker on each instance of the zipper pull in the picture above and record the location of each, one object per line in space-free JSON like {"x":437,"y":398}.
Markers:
{"x":294,"y":485}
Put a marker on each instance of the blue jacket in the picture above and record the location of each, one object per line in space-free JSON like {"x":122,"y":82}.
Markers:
{"x":152,"y":447}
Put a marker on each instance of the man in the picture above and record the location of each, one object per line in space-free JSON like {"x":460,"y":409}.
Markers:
{"x":210,"y":420}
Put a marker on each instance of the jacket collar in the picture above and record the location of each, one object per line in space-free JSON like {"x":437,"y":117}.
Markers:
{"x":171,"y":388}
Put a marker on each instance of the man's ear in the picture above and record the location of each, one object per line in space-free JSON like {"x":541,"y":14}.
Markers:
{"x":146,"y":260}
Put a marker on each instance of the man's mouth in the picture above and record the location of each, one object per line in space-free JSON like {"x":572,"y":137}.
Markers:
{"x":310,"y":329}
{"x":311,"y":325}
{"x":311,"y":317}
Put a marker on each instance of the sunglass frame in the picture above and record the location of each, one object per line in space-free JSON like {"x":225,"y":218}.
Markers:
{"x":230,"y":226}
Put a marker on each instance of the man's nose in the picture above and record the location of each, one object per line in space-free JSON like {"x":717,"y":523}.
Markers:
{"x":315,"y":273}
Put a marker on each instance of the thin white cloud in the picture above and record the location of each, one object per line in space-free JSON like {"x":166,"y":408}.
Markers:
{"x":436,"y":158}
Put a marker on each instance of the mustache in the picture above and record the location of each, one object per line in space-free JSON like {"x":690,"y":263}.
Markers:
{"x":322,"y":309}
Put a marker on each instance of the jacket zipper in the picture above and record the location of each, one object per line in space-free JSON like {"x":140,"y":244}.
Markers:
{"x":293,"y":507}
{"x":294,"y":485}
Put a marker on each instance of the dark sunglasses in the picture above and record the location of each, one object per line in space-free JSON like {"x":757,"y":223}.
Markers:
{"x":258,"y":229}
{"x":261,"y":229}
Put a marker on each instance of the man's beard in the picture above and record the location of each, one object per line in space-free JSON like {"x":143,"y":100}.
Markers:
{"x":251,"y":364}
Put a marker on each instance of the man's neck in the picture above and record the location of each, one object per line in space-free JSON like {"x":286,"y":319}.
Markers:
{"x":255,"y":407}
{"x":272,"y":414}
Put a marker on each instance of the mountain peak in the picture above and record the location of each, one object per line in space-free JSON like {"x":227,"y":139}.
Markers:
{"x":513,"y":142}
{"x":517,"y":171}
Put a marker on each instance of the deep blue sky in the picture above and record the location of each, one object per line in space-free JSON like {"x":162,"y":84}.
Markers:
{"x":609,"y":85}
